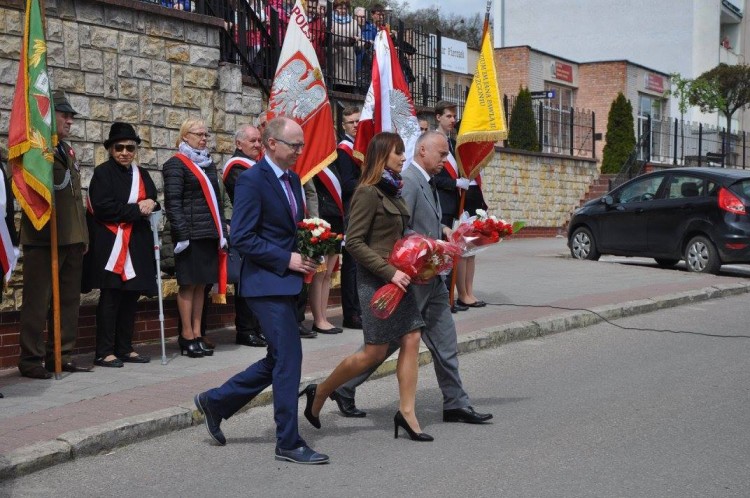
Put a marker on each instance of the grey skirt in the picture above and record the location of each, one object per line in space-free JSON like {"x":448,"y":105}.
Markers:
{"x":404,"y":319}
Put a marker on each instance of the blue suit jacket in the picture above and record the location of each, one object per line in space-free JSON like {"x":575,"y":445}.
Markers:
{"x":264,"y":233}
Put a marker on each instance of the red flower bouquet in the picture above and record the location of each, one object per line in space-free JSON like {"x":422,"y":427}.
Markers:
{"x":420,"y":257}
{"x":315,"y":240}
{"x":476,"y":233}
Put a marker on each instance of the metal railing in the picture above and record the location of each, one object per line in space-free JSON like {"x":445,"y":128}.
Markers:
{"x":685,"y":143}
{"x":567,"y":131}
{"x":255,"y":29}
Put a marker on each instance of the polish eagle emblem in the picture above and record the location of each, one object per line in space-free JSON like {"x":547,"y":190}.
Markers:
{"x":402,"y":115}
{"x":298,"y":90}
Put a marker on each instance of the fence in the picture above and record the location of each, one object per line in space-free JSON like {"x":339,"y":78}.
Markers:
{"x":254,"y":33}
{"x":691,"y":144}
{"x":566,"y":131}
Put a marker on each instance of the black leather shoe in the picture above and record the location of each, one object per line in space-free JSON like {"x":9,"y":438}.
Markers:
{"x":458,"y":307}
{"x":347,"y":406}
{"x":332,"y":330}
{"x":36,"y":372}
{"x":114,"y":363}
{"x":251,"y":340}
{"x":466,"y":415}
{"x":211,"y":419}
{"x":137,"y":358}
{"x":309,"y":393}
{"x":306,"y":333}
{"x":68,"y":367}
{"x":353,"y":322}
{"x":304,"y":455}
{"x":475,"y":304}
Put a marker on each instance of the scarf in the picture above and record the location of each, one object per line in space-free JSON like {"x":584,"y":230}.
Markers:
{"x":391,"y":183}
{"x":200,"y":157}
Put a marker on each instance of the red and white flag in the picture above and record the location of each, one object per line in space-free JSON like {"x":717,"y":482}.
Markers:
{"x":299,"y":92}
{"x":388,"y":104}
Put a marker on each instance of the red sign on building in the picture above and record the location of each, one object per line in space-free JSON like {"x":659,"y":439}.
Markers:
{"x":562,"y":71}
{"x":654,"y":82}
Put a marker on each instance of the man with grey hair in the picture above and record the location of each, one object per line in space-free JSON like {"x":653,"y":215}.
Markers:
{"x":439,"y":333}
{"x":247,"y":153}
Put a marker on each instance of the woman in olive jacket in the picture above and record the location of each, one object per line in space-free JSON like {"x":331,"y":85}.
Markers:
{"x":378,"y":218}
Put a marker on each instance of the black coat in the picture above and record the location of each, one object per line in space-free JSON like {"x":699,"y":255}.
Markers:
{"x":327,"y":207}
{"x":446,"y":186}
{"x":350,"y":173}
{"x":187,"y":210}
{"x":108,"y":193}
{"x":230,"y":177}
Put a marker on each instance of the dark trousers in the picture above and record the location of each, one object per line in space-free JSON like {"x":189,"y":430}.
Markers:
{"x":282,"y":368}
{"x":115,"y":320}
{"x":349,"y":295}
{"x":37,"y":302}
{"x":244,"y":320}
{"x":301,"y":304}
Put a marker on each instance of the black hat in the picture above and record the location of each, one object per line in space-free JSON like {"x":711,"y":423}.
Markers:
{"x":61,"y":102}
{"x":121,"y":131}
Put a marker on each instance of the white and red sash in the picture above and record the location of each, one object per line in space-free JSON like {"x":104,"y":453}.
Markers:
{"x":333,"y":186}
{"x":347,"y":146}
{"x":451,"y":166}
{"x":241,"y":162}
{"x":119,"y":261}
{"x":213,"y":204}
{"x":8,"y":256}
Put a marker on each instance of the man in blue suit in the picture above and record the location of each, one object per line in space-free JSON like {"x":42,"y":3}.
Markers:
{"x":268,"y":205}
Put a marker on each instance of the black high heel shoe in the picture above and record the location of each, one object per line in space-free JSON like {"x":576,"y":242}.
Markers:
{"x":310,"y":391}
{"x":400,"y":421}
{"x":189,"y":347}
{"x":207,"y":351}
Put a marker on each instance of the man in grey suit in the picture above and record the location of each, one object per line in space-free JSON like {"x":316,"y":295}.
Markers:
{"x":439,"y":334}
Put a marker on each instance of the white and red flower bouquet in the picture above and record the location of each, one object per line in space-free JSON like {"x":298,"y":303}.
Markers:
{"x":316,"y":240}
{"x":420,"y":257}
{"x":476,"y":233}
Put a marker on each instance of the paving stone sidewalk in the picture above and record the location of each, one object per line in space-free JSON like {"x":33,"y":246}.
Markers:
{"x":537,"y":288}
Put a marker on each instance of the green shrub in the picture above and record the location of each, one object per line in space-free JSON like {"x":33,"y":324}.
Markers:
{"x":522,"y":134}
{"x":620,"y":135}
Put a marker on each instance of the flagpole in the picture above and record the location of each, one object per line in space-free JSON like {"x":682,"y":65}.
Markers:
{"x":55,"y":292}
{"x":462,"y":199}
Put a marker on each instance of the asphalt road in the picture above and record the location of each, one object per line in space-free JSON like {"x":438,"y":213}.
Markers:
{"x":593,"y":412}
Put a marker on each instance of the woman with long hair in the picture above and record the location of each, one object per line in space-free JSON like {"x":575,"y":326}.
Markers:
{"x":191,"y":199}
{"x":378,"y":218}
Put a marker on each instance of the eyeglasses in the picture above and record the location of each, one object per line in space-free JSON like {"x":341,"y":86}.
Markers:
{"x":121,"y":147}
{"x":202,"y":135}
{"x":295,"y":147}
{"x":423,"y":129}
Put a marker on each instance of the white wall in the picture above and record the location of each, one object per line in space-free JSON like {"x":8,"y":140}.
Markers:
{"x":665,"y":35}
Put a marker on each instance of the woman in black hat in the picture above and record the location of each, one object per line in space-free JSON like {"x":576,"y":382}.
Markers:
{"x":121,"y":198}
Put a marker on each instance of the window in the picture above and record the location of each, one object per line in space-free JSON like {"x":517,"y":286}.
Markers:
{"x":681,"y":187}
{"x":640,"y":190}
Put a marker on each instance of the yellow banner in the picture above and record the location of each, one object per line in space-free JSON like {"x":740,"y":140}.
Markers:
{"x":483,"y":119}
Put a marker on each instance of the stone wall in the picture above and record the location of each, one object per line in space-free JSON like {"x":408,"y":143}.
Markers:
{"x":541,"y":189}
{"x":124,"y":60}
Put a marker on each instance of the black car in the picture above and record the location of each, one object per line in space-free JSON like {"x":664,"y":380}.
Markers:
{"x":696,"y":214}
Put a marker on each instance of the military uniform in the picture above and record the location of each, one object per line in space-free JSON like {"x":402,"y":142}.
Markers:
{"x":72,"y":241}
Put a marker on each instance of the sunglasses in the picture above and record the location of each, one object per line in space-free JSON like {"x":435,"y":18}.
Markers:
{"x":121,"y":147}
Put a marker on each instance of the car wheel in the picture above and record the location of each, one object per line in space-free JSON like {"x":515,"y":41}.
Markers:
{"x":701,"y":256}
{"x":582,"y":245}
{"x":665,"y":262}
